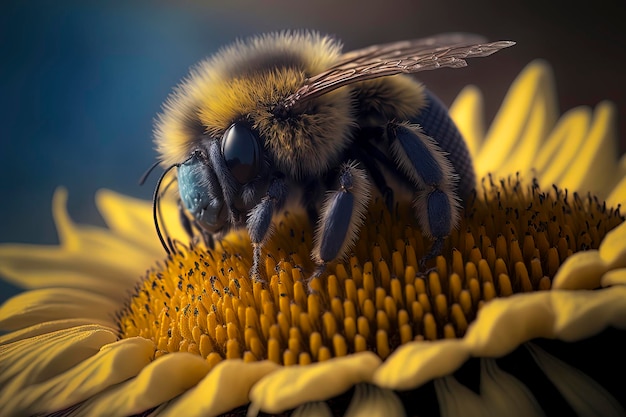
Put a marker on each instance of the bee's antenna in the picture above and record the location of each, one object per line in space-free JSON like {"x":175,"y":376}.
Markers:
{"x":156,"y":199}
{"x":170,"y":243}
{"x":145,"y":175}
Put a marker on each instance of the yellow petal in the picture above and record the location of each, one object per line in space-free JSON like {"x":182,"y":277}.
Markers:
{"x":33,"y":360}
{"x":89,"y":257}
{"x":126,"y":215}
{"x":614,"y":277}
{"x":528,"y":113}
{"x":290,"y":386}
{"x":595,"y":166}
{"x":37,"y":306}
{"x":132,"y":218}
{"x":583,"y":394}
{"x":530,"y":138}
{"x":49,"y":327}
{"x":582,"y":270}
{"x":503,"y":324}
{"x":113,"y":364}
{"x":224,"y":388}
{"x":34,"y":266}
{"x":413,"y":364}
{"x":613,"y":247}
{"x":467,"y":113}
{"x":617,"y":197}
{"x":160,"y":381}
{"x":582,"y":314}
{"x":561,"y":147}
{"x":65,"y":227}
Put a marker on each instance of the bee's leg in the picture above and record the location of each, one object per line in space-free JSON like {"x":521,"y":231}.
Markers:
{"x":342,"y":216}
{"x":207,"y":237}
{"x":434,"y":179}
{"x":188,"y":226}
{"x":260,"y":220}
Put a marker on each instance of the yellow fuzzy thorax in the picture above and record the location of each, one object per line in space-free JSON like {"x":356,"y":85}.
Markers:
{"x":398,"y":98}
{"x":243,"y":80}
{"x":304,"y":143}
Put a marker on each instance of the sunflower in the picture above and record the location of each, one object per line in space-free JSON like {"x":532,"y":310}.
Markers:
{"x":518,"y":316}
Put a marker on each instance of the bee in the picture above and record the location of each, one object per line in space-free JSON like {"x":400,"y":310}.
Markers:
{"x":287,"y":117}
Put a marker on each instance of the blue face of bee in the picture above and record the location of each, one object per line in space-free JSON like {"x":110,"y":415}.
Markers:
{"x":288,"y":117}
{"x":207,"y":210}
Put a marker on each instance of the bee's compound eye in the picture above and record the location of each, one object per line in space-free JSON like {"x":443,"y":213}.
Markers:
{"x":242,"y":152}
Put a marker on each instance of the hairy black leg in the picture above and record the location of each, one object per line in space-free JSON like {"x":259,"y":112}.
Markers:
{"x":189,"y":225}
{"x":260,"y":220}
{"x":342,"y":215}
{"x":434,"y":180}
{"x":207,"y":236}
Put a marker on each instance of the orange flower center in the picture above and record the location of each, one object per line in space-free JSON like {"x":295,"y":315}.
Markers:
{"x":512,"y":238}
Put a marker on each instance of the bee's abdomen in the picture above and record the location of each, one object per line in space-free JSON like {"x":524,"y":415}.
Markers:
{"x":436,"y":123}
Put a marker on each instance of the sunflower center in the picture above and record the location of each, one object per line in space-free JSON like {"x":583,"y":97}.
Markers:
{"x":513,"y":238}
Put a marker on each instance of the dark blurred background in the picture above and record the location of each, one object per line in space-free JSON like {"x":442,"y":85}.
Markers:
{"x":81,"y":81}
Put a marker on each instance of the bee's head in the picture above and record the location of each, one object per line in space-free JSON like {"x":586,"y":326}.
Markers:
{"x":242,"y":88}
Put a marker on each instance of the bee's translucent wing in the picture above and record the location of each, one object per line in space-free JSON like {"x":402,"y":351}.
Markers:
{"x":446,"y":50}
{"x":408,"y":47}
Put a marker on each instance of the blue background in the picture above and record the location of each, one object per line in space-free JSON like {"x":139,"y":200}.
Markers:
{"x":81,"y":82}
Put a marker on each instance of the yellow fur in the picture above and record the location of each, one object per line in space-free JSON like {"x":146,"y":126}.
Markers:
{"x":395,"y":98}
{"x":244,"y":82}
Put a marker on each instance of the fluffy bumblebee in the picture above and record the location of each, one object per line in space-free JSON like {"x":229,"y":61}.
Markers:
{"x":288,"y":117}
